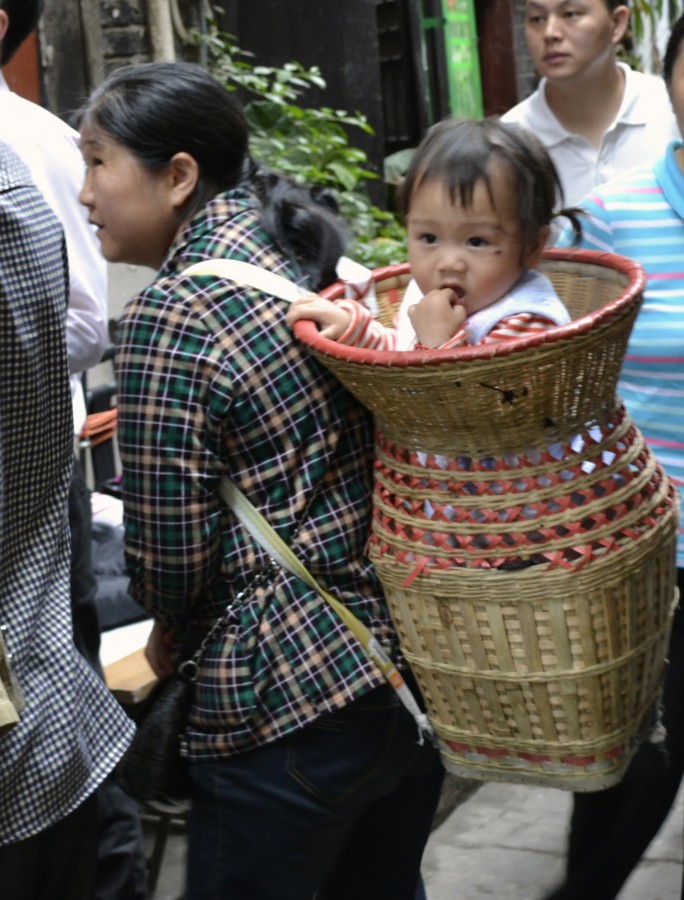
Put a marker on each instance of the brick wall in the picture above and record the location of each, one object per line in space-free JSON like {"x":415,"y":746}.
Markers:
{"x":526,"y":75}
{"x":124,"y":37}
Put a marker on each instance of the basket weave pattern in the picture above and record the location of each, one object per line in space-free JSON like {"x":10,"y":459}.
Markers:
{"x":523,"y":532}
{"x":529,"y":392}
{"x":563,"y":506}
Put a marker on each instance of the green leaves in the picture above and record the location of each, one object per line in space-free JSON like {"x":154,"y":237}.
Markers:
{"x":308,"y":143}
{"x":642,"y":12}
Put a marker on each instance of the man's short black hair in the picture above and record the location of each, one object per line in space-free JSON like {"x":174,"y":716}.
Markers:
{"x":23,"y":17}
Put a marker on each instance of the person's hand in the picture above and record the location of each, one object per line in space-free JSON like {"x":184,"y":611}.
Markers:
{"x":437,"y":317}
{"x":158,"y":650}
{"x":332,"y":321}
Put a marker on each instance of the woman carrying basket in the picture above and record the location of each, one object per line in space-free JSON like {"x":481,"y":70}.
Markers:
{"x":307,"y":774}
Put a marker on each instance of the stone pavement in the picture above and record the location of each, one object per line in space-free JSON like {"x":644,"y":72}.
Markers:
{"x":505,"y":842}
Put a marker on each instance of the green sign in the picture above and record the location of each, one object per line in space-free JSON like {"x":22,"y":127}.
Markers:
{"x":463,"y":64}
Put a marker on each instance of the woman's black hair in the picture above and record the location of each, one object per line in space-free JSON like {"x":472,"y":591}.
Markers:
{"x":459,"y":153}
{"x":672,"y":51}
{"x":156,"y":110}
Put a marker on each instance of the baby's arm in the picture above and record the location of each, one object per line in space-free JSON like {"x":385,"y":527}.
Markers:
{"x":343,"y":320}
{"x":437,"y":317}
{"x":332,"y":320}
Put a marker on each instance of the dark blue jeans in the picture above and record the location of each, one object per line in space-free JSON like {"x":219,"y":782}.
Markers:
{"x":610,"y":830}
{"x":340,"y":809}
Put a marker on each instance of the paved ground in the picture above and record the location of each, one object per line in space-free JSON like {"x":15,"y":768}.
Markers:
{"x":504,"y":843}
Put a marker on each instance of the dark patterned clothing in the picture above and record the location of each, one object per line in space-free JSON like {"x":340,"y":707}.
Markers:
{"x":211,"y":381}
{"x":72,"y":731}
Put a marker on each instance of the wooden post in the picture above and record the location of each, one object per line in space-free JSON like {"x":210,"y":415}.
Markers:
{"x":495,"y":28}
{"x":92,"y":40}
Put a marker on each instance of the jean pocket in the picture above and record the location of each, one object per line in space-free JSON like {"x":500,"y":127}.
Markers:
{"x":343,"y":752}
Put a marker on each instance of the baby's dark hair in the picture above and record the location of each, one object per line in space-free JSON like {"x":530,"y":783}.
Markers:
{"x":156,"y":110}
{"x":459,"y":153}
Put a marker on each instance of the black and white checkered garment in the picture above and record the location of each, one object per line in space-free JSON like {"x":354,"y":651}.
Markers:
{"x":72,"y":732}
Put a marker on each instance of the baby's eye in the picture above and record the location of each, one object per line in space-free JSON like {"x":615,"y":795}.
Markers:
{"x":428,"y":238}
{"x":477,"y":241}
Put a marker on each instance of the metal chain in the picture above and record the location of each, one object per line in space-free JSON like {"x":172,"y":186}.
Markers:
{"x":189,"y":669}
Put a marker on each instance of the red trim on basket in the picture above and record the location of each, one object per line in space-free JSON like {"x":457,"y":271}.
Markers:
{"x":580,"y":762}
{"x":535,"y":757}
{"x":307,"y":332}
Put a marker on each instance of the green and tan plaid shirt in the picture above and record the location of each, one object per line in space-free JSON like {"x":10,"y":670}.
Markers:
{"x":211,"y":381}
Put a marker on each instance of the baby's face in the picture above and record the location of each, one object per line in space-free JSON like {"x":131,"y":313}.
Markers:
{"x":476,"y":251}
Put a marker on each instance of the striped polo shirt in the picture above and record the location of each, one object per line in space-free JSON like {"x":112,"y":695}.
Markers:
{"x":641,"y":215}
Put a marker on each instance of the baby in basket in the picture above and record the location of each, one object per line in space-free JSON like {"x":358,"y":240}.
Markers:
{"x":478,"y":201}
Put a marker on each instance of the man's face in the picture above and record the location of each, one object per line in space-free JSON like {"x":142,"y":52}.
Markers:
{"x":571,"y":38}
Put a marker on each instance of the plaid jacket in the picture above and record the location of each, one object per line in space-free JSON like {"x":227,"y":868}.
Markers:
{"x":211,"y":381}
{"x":72,"y":731}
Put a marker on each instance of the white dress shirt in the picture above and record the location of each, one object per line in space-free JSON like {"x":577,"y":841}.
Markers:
{"x":50,"y":149}
{"x":643,"y":127}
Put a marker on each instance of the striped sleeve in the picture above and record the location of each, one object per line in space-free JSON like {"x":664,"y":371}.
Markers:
{"x":516,"y":326}
{"x":364,"y":331}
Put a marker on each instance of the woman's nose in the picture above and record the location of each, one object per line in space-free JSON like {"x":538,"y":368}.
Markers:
{"x":85,"y":195}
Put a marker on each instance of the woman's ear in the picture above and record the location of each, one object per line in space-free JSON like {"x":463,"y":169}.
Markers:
{"x":620,"y":20}
{"x":534,"y":249}
{"x":183,"y":174}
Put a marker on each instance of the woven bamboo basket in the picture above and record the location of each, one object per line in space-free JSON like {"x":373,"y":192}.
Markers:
{"x":523,"y":532}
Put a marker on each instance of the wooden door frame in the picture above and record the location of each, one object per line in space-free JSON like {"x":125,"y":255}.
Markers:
{"x":496,"y":34}
{"x":22,"y":73}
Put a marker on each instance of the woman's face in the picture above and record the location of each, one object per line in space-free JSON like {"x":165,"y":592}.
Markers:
{"x":677,"y":89}
{"x":132,"y":207}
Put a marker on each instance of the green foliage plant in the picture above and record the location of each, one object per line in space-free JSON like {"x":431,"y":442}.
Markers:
{"x":308,"y":143}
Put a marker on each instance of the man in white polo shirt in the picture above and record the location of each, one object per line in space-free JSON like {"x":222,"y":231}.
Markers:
{"x":595,"y":115}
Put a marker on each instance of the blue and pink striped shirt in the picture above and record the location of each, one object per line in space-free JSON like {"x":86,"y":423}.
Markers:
{"x":641,"y":215}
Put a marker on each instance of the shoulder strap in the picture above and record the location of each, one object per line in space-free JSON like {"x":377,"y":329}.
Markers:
{"x":248,"y":275}
{"x":267,"y":537}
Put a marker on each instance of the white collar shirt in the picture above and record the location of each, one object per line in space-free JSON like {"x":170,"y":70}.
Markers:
{"x":643,"y":127}
{"x":49,"y":148}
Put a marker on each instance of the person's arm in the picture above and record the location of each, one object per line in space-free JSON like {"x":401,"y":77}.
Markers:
{"x":344,"y":321}
{"x":173,"y":395}
{"x":58,"y":172}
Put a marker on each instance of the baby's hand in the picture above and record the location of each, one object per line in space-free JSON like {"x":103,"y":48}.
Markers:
{"x":331,"y":319}
{"x":437,"y":317}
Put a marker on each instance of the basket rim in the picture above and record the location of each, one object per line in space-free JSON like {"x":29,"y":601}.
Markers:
{"x":306,"y":331}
